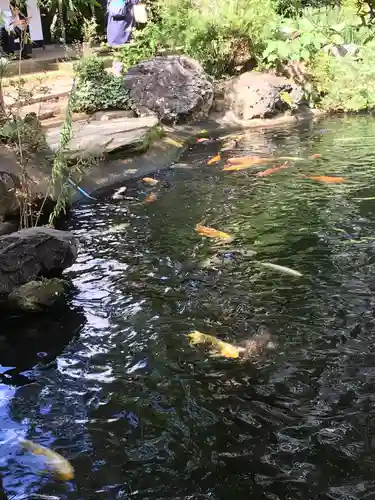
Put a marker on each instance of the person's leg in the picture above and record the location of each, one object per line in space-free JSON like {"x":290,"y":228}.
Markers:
{"x":7,"y":41}
{"x":129,"y":24}
{"x":25,"y":42}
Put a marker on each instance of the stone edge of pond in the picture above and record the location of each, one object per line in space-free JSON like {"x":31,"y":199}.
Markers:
{"x":167,"y":150}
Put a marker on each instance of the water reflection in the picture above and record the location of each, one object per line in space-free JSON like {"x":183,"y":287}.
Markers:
{"x":140,"y":413}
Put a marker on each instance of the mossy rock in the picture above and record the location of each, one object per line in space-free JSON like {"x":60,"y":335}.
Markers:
{"x":39,"y":296}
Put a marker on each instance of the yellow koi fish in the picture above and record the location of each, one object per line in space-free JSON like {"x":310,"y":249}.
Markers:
{"x":209,"y":232}
{"x":217,"y":347}
{"x":62,"y":469}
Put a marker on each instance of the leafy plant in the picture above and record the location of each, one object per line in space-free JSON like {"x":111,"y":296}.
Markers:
{"x":144,"y":45}
{"x":96,"y":89}
{"x":221,"y":34}
{"x":89,"y":30}
{"x":347,"y":83}
{"x":300,"y":41}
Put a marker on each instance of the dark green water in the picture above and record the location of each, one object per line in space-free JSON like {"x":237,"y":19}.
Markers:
{"x":113,"y":384}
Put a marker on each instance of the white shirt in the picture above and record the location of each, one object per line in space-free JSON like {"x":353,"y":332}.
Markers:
{"x":7,"y":18}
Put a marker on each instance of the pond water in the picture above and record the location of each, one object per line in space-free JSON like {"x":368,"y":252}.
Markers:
{"x":113,"y":384}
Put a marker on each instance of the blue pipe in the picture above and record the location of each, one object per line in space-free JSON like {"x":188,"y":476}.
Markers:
{"x":80,"y":190}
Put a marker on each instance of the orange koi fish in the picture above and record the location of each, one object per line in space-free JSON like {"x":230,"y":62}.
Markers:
{"x":315,"y":156}
{"x":209,"y":232}
{"x":327,"y":179}
{"x":273,"y":170}
{"x":203,"y":140}
{"x":150,"y":180}
{"x":251,"y":160}
{"x":151,"y":197}
{"x":214,"y":159}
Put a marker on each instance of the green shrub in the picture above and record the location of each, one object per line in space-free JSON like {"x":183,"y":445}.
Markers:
{"x":143,"y":46}
{"x":220,"y":34}
{"x":346,"y":83}
{"x":96,"y":89}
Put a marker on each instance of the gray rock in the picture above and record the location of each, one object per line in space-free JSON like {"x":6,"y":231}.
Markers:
{"x":174,"y":87}
{"x":37,"y":296}
{"x":95,"y":138}
{"x":9,"y":203}
{"x":32,"y":253}
{"x":341,"y":50}
{"x":259,"y":95}
{"x":104,"y":116}
{"x":7,"y":228}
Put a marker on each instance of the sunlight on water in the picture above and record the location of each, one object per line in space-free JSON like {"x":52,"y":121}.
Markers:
{"x":113,"y":384}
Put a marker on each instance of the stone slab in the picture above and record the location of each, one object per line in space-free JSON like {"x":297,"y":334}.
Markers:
{"x":104,"y":136}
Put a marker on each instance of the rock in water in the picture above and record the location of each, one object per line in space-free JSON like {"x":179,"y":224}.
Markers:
{"x":257,"y":95}
{"x":32,"y":253}
{"x":174,"y":87}
{"x":37,"y":296}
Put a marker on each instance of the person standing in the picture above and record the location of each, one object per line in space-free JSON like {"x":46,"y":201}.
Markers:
{"x":15,"y":25}
{"x":120,"y":21}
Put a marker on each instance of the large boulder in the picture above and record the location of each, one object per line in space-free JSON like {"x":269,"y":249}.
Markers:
{"x":31,"y":253}
{"x":257,"y":95}
{"x":174,"y":87}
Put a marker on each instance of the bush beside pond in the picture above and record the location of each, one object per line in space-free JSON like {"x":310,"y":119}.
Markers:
{"x":96,"y":89}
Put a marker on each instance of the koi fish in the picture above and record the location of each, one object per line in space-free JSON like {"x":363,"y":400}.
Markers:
{"x":150,"y":180}
{"x":273,"y":170}
{"x":281,"y":269}
{"x":291,"y":158}
{"x":203,"y":140}
{"x":173,"y":142}
{"x":214,"y":159}
{"x":209,"y":232}
{"x":150,"y":198}
{"x":217,"y":347}
{"x":327,"y":179}
{"x":237,"y":167}
{"x":251,"y":160}
{"x":315,"y":156}
{"x":61,"y":467}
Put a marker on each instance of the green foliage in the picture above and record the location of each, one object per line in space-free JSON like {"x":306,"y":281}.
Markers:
{"x":333,"y":83}
{"x":96,"y":89}
{"x":302,"y":38}
{"x":89,"y":69}
{"x":220,"y":34}
{"x":90,"y":29}
{"x":144,"y":45}
{"x":347,"y":83}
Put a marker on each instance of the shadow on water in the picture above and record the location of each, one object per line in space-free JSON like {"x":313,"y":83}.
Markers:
{"x":28,"y":341}
{"x":143,"y":415}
